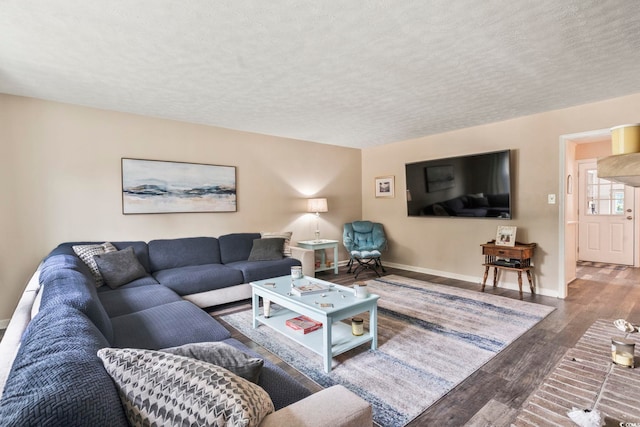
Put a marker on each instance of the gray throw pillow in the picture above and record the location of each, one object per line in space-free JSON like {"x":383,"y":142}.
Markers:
{"x":269,"y":249}
{"x":224,"y":355}
{"x":119,"y":268}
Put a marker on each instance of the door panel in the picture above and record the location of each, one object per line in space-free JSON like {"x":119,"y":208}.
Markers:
{"x":605,"y":218}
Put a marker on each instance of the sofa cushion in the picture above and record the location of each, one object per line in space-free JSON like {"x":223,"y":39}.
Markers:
{"x":120,"y":267}
{"x":146,"y":280}
{"x":57,"y":379}
{"x":224,"y":355}
{"x":159,"y":388}
{"x":166,"y":325}
{"x":198,"y":278}
{"x":236,"y":246}
{"x":86,"y":254}
{"x":124,"y":300}
{"x":172,"y":253}
{"x":282,"y":387}
{"x":258,"y":270}
{"x":286,"y":235}
{"x":266,"y":249}
{"x":74,"y":289}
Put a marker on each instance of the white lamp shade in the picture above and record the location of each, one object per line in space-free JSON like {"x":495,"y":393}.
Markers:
{"x":317,"y":205}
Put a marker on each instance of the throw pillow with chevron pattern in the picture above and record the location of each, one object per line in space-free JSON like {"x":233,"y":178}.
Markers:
{"x":159,"y":388}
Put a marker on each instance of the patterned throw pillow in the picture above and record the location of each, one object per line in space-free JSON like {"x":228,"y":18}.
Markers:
{"x":159,"y":388}
{"x":86,"y":254}
{"x":286,"y":235}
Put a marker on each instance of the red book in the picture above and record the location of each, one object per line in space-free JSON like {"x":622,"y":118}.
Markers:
{"x":303,"y":324}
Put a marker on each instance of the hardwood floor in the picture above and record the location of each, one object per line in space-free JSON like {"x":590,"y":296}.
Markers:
{"x":493,"y":395}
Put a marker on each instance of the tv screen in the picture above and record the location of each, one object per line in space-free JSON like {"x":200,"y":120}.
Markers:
{"x":473,"y":186}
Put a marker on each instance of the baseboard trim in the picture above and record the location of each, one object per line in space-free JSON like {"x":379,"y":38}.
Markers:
{"x":475,"y":279}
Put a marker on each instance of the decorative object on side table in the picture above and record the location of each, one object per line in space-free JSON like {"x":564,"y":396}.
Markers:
{"x":506,"y":235}
{"x":316,"y":206}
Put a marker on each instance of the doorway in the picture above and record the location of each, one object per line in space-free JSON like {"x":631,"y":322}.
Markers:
{"x":573,"y":148}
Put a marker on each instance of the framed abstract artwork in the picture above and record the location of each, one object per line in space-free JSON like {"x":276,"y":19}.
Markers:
{"x":155,"y":186}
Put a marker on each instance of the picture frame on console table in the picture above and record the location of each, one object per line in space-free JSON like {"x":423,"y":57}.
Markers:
{"x":506,"y":235}
{"x":156,"y":186}
{"x":385,"y":186}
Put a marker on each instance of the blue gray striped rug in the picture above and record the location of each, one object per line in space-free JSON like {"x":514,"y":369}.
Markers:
{"x":430,"y":338}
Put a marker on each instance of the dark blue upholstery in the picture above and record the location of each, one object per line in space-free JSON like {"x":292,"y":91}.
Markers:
{"x":121,"y":301}
{"x":143,"y":281}
{"x":75,"y":289}
{"x":53,"y":264}
{"x":168,"y":325}
{"x":236,"y":247}
{"x":172,"y":253}
{"x":258,"y":270}
{"x":57,"y":378}
{"x":198,"y":278}
{"x":282,"y":387}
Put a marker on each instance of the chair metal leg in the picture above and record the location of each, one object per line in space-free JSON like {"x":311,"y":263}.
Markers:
{"x":350,"y":264}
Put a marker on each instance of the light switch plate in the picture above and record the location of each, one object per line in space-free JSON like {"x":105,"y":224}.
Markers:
{"x":551,"y":199}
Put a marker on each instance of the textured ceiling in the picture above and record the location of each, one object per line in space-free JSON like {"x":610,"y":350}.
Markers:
{"x":352,"y":73}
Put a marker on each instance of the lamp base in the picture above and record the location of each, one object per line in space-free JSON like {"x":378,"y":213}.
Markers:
{"x":317,"y":233}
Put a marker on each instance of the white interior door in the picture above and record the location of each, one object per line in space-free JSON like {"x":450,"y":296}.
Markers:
{"x":605,"y":218}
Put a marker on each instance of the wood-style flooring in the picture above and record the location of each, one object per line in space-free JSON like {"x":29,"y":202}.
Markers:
{"x":493,"y":395}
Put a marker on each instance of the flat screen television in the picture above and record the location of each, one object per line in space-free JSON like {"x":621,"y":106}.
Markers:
{"x":472,"y":186}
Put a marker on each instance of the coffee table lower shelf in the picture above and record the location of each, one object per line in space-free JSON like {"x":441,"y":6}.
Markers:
{"x":342,"y":339}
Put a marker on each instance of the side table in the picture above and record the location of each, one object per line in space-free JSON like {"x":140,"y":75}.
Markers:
{"x":321,"y":245}
{"x":515,"y":258}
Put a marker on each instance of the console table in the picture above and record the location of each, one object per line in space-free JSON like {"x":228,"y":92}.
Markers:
{"x":515,"y":258}
{"x":321,"y":245}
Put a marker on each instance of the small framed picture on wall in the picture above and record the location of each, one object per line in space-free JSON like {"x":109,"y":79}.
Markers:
{"x":385,"y":186}
{"x":506,"y":235}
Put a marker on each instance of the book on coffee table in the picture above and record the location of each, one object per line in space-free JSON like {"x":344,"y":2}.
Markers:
{"x":303,"y":324}
{"x":308,"y":289}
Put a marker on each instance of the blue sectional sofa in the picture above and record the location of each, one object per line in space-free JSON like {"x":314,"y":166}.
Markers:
{"x":56,"y":377}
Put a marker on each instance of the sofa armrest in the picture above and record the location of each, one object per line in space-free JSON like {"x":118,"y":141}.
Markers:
{"x":19,"y":320}
{"x":332,"y":407}
{"x":308,"y":259}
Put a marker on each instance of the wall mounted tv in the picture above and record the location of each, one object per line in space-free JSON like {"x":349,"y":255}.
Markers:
{"x":473,"y":186}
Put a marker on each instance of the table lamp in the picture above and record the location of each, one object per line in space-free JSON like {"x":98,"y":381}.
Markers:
{"x":316,"y":206}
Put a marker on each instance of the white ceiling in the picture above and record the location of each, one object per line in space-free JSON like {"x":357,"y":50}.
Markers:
{"x":351,"y":73}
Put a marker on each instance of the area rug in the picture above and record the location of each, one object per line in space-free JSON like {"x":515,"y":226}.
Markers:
{"x":585,"y":378}
{"x":430,"y":338}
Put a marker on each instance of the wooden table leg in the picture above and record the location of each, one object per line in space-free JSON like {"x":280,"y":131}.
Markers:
{"x":495,"y":276}
{"x":484,"y":279}
{"x":531,"y":285}
{"x":520,"y":282}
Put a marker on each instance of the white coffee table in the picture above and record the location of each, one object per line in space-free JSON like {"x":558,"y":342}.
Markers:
{"x":334,"y":337}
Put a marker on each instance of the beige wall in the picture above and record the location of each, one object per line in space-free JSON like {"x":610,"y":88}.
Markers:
{"x":450,"y":246}
{"x":60,"y":181}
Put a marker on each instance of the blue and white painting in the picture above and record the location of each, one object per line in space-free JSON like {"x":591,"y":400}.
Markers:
{"x":153,"y":186}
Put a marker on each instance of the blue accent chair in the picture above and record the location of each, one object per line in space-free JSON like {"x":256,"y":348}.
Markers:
{"x":365,"y":241}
